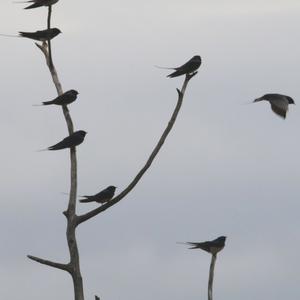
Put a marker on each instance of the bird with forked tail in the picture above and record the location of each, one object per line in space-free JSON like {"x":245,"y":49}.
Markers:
{"x":188,"y":68}
{"x":279,"y":103}
{"x":102,"y":197}
{"x":73,"y":140}
{"x":38,"y":3}
{"x":41,"y":35}
{"x":63,"y":99}
{"x":212,"y":247}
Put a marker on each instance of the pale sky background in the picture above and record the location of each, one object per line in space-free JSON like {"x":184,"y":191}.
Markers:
{"x":227,"y":168}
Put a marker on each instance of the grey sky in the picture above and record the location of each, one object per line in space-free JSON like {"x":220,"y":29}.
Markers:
{"x":228,"y":168}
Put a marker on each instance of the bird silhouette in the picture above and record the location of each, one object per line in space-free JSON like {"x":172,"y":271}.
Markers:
{"x":41,"y":35}
{"x":188,"y":68}
{"x":102,"y":197}
{"x":212,"y":247}
{"x":38,"y":3}
{"x":64,"y":99}
{"x":279,"y":103}
{"x":72,"y":140}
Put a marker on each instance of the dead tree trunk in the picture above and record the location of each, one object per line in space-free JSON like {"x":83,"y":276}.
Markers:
{"x":73,"y":266}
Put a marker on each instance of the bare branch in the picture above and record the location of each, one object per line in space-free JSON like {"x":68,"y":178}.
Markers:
{"x":73,"y":267}
{"x":147,"y":165}
{"x":211,"y":276}
{"x":49,"y":263}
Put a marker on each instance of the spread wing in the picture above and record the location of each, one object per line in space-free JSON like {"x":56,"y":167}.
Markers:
{"x":280,"y":107}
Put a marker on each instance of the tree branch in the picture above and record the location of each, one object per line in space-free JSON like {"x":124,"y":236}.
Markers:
{"x":49,"y":42}
{"x":65,"y":267}
{"x":211,"y":276}
{"x":96,"y":211}
{"x":73,"y":266}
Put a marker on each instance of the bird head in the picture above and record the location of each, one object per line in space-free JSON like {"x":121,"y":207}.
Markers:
{"x":56,"y":31}
{"x":74,"y":92}
{"x":291,"y":101}
{"x":82,"y":132}
{"x":196,"y":58}
{"x":222,"y":238}
{"x":112,"y":188}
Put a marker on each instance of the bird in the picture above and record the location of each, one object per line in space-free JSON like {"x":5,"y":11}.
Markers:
{"x":74,"y":139}
{"x":38,"y":3}
{"x":64,"y":99}
{"x":41,"y":35}
{"x":212,"y":247}
{"x":102,"y":197}
{"x":188,"y":68}
{"x":279,"y":103}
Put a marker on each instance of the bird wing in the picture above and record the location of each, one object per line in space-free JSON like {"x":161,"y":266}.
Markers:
{"x":65,"y":143}
{"x":103,"y":196}
{"x":186,"y":68}
{"x":280,"y":106}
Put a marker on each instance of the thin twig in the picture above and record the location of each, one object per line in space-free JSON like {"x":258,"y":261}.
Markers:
{"x":94,"y":212}
{"x":211,"y":276}
{"x":49,"y":42}
{"x":49,"y":263}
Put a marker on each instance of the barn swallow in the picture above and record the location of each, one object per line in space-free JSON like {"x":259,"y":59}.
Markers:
{"x":72,"y":140}
{"x":102,"y":197}
{"x":212,"y":247}
{"x":279,"y":103}
{"x":189,"y":67}
{"x":38,"y":3}
{"x":64,"y":99}
{"x":41,"y":35}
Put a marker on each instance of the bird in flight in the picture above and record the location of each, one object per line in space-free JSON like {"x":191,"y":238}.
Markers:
{"x":212,"y":247}
{"x":72,"y":140}
{"x":64,"y":99}
{"x":41,"y":35}
{"x":102,"y":197}
{"x":38,"y":3}
{"x":188,"y":68}
{"x":279,"y":103}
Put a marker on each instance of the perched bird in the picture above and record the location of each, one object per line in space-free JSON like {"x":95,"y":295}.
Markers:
{"x":38,"y":3}
{"x":279,"y":103}
{"x":41,"y":35}
{"x":189,"y":67}
{"x":64,"y":99}
{"x":72,"y":140}
{"x":102,"y":197}
{"x":212,"y":247}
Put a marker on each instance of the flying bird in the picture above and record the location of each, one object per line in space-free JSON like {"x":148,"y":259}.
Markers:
{"x":188,"y":68}
{"x":38,"y":3}
{"x":212,"y":247}
{"x":72,"y":140}
{"x":64,"y":99}
{"x":41,"y":35}
{"x":102,"y":197}
{"x":279,"y":103}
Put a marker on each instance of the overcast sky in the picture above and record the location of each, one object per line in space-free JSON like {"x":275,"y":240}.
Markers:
{"x":228,"y":167}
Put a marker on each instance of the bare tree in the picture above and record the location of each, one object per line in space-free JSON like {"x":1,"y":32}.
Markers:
{"x":73,"y":220}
